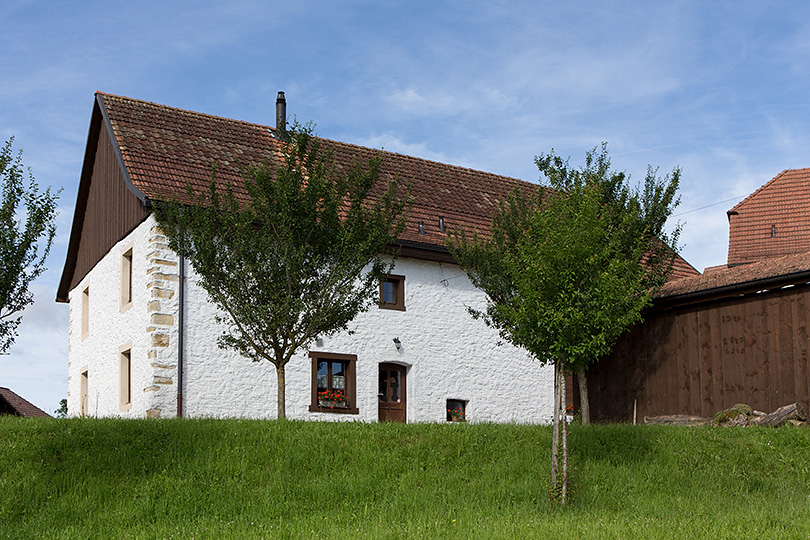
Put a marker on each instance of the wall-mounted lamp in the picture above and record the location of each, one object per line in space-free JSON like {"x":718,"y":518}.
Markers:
{"x":397,"y":343}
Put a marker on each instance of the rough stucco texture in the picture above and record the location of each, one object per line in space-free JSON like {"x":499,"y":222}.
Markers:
{"x":448,"y":355}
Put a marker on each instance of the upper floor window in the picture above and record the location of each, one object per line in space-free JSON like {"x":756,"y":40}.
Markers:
{"x":392,"y":293}
{"x":333,"y":383}
{"x":126,"y":279}
{"x":85,"y":312}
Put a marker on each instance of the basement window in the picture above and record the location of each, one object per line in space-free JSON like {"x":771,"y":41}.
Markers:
{"x":456,"y":410}
{"x":125,"y":378}
{"x":84,"y":402}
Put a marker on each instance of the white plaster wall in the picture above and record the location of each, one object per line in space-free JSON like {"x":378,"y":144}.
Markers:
{"x":448,"y":354}
{"x":109,"y":329}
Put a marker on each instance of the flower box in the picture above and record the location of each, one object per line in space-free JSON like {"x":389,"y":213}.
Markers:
{"x":331,"y":403}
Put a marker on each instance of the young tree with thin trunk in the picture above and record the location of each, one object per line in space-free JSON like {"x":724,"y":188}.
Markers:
{"x":294,"y":254}
{"x":27,"y":229}
{"x":569,"y":267}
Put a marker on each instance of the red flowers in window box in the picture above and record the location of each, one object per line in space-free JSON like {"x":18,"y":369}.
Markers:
{"x":332,"y":399}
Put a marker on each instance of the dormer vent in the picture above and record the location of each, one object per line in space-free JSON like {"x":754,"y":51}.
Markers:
{"x":421,"y":228}
{"x":441,"y":225}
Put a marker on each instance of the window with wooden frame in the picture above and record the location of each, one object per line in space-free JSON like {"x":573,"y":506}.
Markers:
{"x":125,"y":378}
{"x":333,"y":383}
{"x":84,"y":402}
{"x":456,"y":410}
{"x":392,"y":293}
{"x":85,"y":312}
{"x":126,"y":280}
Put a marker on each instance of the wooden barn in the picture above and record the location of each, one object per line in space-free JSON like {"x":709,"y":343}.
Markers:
{"x":735,"y":334}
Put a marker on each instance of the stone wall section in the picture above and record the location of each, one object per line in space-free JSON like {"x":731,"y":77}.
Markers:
{"x":162,"y":308}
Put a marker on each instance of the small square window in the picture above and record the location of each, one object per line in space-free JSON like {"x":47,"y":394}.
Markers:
{"x":333,"y":383}
{"x":392,"y":293}
{"x":456,"y":410}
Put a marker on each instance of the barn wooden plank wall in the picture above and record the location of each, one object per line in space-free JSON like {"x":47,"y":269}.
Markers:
{"x":112,"y":210}
{"x":700,"y":359}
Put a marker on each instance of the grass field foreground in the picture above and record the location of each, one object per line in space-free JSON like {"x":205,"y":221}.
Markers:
{"x":107,"y":478}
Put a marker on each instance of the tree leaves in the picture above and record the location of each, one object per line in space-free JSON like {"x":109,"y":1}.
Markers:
{"x":295,"y":252}
{"x":570,"y":267}
{"x":26,"y":216}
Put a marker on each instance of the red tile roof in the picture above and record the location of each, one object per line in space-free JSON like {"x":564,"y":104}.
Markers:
{"x":11,"y":403}
{"x":775,"y":272}
{"x":773,"y":221}
{"x":164,"y":148}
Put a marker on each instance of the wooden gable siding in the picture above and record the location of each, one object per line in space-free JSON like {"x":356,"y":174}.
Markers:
{"x":111,"y":210}
{"x":701,"y":359}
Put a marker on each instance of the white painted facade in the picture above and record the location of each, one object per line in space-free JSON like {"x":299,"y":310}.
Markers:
{"x":447,"y":354}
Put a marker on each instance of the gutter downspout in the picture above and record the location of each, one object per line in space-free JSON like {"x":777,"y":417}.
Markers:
{"x":181,"y":335}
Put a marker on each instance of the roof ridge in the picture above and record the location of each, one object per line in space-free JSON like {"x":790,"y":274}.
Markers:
{"x":766,"y":185}
{"x":334,"y":141}
{"x":441,"y":163}
{"x":186,"y":111}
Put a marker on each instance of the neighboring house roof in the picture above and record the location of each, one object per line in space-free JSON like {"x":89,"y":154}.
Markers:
{"x":11,"y":403}
{"x":768,"y":274}
{"x":773,"y":221}
{"x":161,"y":149}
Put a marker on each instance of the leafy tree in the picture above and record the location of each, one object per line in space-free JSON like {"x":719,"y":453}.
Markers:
{"x":291,"y":254}
{"x":27,"y":230}
{"x":571,"y":265}
{"x":62,"y":411}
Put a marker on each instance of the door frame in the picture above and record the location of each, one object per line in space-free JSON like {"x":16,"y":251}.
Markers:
{"x":402,"y":409}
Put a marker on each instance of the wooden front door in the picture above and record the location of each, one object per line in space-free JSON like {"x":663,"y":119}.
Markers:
{"x":391,"y":393}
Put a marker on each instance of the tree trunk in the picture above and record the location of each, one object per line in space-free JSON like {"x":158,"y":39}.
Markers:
{"x":555,"y":422}
{"x":282,"y":392}
{"x":780,"y":416}
{"x":678,"y":419}
{"x":559,"y":475}
{"x":564,"y":436}
{"x":584,"y":402}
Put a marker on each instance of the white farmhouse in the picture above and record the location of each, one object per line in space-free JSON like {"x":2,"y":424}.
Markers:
{"x":143,"y":335}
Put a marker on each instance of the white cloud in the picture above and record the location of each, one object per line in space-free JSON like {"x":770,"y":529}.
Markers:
{"x":392,"y":143}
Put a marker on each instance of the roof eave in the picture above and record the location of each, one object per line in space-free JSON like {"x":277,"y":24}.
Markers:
{"x":742,"y":288}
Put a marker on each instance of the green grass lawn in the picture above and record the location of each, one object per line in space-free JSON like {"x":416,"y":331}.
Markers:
{"x":90,"y":478}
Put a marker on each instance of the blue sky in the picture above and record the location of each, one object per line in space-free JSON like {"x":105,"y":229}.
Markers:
{"x":717,"y":88}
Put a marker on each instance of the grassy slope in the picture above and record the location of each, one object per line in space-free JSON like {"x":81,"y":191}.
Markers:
{"x":263,"y":479}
